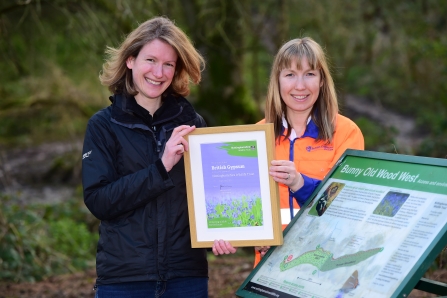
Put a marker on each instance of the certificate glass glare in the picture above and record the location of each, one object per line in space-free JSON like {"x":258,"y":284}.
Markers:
{"x":231,"y":196}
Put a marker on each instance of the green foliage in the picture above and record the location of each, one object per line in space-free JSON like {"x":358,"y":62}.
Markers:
{"x":73,"y":240}
{"x":379,"y":138}
{"x":49,"y":82}
{"x":37,"y":241}
{"x":234,"y":212}
{"x":394,"y":53}
{"x":436,"y":146}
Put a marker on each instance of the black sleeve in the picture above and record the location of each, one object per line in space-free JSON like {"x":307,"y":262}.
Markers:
{"x":107,"y":194}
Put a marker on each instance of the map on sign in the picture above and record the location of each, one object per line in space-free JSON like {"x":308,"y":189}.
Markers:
{"x":324,"y":260}
{"x":364,"y":231}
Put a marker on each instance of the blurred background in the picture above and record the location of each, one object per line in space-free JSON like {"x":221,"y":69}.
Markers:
{"x":388,"y":59}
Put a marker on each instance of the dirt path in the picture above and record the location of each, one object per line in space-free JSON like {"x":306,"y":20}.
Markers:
{"x":406,"y":138}
{"x":45,"y":173}
{"x":226,"y":273}
{"x":28,"y":170}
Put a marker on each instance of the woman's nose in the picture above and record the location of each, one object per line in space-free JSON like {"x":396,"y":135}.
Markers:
{"x":157,"y":71}
{"x":299,"y":84}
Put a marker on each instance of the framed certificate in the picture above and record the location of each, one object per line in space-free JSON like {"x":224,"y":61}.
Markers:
{"x":231,"y":195}
{"x":372,"y":228}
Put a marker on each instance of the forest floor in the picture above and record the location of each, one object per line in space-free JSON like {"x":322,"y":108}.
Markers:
{"x":226,"y":275}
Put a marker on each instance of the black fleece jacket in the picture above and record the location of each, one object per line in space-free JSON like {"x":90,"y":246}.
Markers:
{"x":144,"y":230}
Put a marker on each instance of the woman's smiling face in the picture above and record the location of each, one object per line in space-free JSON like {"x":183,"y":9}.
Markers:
{"x":299,"y":88}
{"x":153,"y":69}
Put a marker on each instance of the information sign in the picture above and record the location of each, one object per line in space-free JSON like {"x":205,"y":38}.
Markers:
{"x":371,"y":229}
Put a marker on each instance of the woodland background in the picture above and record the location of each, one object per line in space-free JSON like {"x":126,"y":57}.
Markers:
{"x":388,"y":59}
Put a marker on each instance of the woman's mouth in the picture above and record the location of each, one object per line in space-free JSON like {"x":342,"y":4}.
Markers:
{"x":153,"y":82}
{"x":300,"y":97}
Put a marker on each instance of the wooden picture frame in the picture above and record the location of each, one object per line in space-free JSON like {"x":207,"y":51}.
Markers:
{"x":231,"y":195}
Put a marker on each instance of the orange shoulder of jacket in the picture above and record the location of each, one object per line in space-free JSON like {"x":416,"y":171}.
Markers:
{"x":261,"y":122}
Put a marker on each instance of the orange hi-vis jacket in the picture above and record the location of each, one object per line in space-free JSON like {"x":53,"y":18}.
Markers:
{"x":313,"y":160}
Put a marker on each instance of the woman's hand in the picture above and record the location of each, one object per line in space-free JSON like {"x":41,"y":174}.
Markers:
{"x":176,"y":146}
{"x":262,"y":250}
{"x":283,"y":171}
{"x":221,"y":247}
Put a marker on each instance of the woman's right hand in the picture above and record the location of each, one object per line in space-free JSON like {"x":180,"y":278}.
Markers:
{"x":176,"y":146}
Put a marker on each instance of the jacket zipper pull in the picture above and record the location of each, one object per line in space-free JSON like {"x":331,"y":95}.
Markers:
{"x":154,"y":129}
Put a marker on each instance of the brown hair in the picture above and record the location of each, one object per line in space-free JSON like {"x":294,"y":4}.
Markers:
{"x":325,"y":109}
{"x":189,"y":66}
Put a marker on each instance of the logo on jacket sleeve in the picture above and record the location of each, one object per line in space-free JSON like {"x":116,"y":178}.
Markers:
{"x":322,"y":147}
{"x":85,"y":155}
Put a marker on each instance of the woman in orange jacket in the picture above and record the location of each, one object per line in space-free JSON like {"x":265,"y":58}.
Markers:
{"x":310,"y":133}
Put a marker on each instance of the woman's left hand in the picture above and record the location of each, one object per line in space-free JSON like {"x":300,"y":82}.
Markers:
{"x":262,"y":250}
{"x":176,"y":146}
{"x":284,"y":171}
{"x":221,"y":247}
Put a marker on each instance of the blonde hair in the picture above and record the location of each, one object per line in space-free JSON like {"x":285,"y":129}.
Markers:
{"x":118,"y":78}
{"x":325,"y":109}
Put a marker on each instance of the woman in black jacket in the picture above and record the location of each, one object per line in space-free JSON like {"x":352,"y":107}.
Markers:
{"x":133,"y":172}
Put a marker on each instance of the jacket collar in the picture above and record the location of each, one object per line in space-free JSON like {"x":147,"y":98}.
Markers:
{"x":127,"y":112}
{"x":311,"y":129}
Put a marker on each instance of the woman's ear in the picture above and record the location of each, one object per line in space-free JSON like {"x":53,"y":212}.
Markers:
{"x":129,"y":62}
